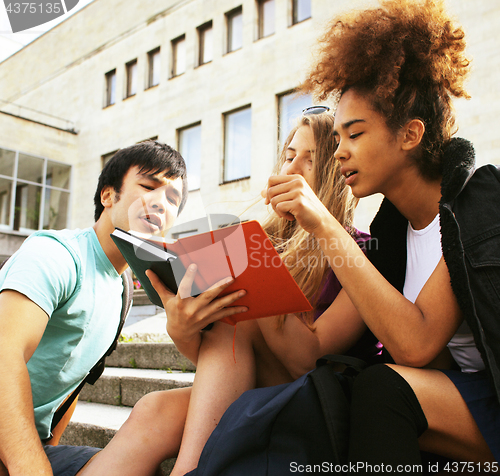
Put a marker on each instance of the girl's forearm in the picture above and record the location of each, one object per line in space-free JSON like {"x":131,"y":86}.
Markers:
{"x":399,"y":324}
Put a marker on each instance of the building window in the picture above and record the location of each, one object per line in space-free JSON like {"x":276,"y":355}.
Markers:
{"x":107,"y":157}
{"x":110,"y":87}
{"x":148,"y":139}
{"x":179,"y":55}
{"x":131,"y":78}
{"x":237,"y":144}
{"x":266,"y":18}
{"x":154,"y":67}
{"x":7,"y":164}
{"x":301,"y":10}
{"x":234,"y":21}
{"x":290,"y":106}
{"x":34,"y":192}
{"x":205,"y":43}
{"x":190,"y":148}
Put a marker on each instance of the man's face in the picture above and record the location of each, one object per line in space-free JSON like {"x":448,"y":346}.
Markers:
{"x":147,"y":203}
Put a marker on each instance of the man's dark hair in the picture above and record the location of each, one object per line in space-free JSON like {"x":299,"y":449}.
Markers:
{"x":151,"y":157}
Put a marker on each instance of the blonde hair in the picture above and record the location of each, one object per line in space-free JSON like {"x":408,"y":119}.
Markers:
{"x":299,"y":250}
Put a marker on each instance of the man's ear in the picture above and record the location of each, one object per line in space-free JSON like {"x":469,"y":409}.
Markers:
{"x":412,"y":134}
{"x":108,"y":194}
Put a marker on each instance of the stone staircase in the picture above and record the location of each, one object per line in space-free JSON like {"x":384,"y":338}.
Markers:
{"x":133,"y":370}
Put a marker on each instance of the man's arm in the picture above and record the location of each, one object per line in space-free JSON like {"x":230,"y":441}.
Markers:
{"x":22,"y":324}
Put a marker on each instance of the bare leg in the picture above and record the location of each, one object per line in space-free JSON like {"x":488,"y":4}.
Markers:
{"x":151,"y":434}
{"x":220,"y":381}
{"x":452,"y":431}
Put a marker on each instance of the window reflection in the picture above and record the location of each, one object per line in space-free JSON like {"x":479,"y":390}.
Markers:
{"x":5,"y":202}
{"x":154,"y":67}
{"x":35,"y":197}
{"x":190,"y":149}
{"x":27,"y":207}
{"x":301,"y":10}
{"x":290,"y":109}
{"x":7,"y":158}
{"x":55,"y":209}
{"x":266,"y":18}
{"x":58,"y":175}
{"x":179,"y":55}
{"x":132,"y":78}
{"x":205,"y":33}
{"x":237,"y":144}
{"x":234,"y":29}
{"x":30,"y":168}
{"x":110,"y":88}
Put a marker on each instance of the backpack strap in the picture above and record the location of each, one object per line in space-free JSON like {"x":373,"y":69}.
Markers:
{"x":97,"y":370}
{"x":354,"y":363}
{"x":334,"y":393}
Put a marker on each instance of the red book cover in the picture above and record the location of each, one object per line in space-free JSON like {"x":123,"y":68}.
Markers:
{"x":244,"y":252}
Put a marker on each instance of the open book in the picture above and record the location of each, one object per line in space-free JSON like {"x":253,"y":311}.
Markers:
{"x":242,"y":251}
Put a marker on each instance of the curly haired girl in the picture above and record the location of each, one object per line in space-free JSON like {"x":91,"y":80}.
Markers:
{"x":430,"y":291}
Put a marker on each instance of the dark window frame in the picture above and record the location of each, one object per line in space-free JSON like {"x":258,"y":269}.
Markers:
{"x":110,"y":92}
{"x":151,"y":67}
{"x":131,"y":68}
{"x":295,"y":11}
{"x":202,"y":29}
{"x":174,"y":45}
{"x":261,"y":18}
{"x":230,"y":16}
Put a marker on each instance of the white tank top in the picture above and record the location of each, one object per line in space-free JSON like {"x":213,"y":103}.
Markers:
{"x":422,"y":256}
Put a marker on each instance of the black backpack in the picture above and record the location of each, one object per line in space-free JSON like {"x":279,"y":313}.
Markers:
{"x":97,"y":370}
{"x":284,"y":429}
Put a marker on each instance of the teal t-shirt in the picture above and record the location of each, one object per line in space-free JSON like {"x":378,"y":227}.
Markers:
{"x":69,"y":276}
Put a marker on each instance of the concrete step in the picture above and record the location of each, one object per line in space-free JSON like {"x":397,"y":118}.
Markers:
{"x":133,"y":370}
{"x":125,"y":386}
{"x":95,"y":424}
{"x":146,"y":324}
{"x":148,"y":355}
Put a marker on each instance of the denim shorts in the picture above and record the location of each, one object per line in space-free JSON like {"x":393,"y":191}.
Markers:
{"x":479,"y":394}
{"x":68,"y":460}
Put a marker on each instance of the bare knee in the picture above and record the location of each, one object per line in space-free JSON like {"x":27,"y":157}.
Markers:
{"x":452,"y":431}
{"x":222,"y":333}
{"x":157,"y":409}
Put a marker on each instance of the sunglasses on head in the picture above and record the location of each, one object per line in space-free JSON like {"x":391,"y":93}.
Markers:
{"x":313,"y":110}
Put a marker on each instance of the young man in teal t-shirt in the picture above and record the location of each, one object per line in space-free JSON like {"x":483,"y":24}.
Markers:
{"x":60,"y":301}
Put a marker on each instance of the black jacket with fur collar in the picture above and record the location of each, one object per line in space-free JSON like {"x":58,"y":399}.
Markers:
{"x":470,"y":235}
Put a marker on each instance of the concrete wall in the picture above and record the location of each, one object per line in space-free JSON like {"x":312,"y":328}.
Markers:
{"x":479,"y":117}
{"x":32,"y":138}
{"x":9,"y":244}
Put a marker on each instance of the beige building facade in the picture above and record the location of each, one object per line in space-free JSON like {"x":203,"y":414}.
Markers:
{"x":210,"y":77}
